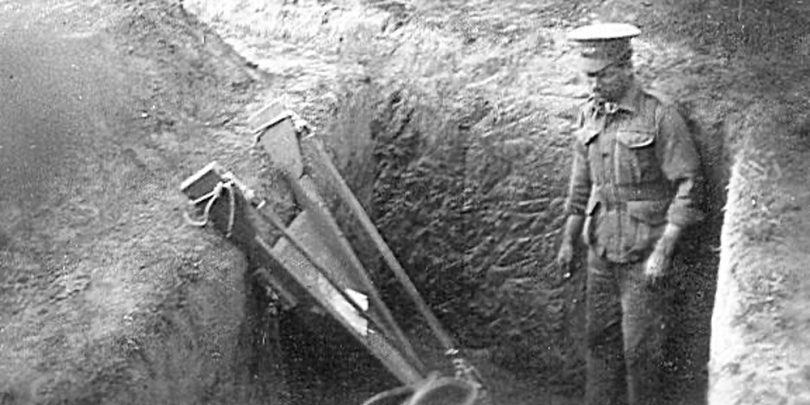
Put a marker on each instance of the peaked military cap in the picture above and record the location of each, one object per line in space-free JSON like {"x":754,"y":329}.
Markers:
{"x":602,"y":45}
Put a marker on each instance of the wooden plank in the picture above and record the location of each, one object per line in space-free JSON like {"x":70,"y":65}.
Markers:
{"x":345,"y":193}
{"x":335,"y":305}
{"x":294,"y":275}
{"x":277,"y":135}
{"x":244,"y":231}
{"x":276,"y":141}
{"x":203,"y":181}
{"x":306,"y":231}
{"x":308,"y":197}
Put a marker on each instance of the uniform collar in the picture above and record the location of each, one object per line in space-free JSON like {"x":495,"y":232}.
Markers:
{"x":630,"y":102}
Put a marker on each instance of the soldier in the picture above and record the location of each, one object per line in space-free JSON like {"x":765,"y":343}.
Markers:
{"x":634,"y":185}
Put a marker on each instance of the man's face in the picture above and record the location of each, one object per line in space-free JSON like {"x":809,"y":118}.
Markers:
{"x":610,"y":83}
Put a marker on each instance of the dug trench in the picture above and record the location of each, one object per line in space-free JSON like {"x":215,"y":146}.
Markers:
{"x":465,"y":173}
{"x":467,"y":121}
{"x":456,"y":140}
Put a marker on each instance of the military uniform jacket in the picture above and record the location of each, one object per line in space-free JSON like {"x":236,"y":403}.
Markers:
{"x":635,"y":168}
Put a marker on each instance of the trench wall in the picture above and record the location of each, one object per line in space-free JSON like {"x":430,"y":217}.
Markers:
{"x":759,"y":346}
{"x":106,"y":294}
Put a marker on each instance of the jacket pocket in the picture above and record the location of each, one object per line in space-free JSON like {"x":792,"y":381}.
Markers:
{"x":636,"y":138}
{"x":637,"y":161}
{"x":650,"y":219}
{"x":652,"y":213}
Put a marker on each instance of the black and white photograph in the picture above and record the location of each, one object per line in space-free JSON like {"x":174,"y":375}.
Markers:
{"x":405,"y":202}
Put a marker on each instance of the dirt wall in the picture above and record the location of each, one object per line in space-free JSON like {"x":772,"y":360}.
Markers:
{"x":759,"y":329}
{"x":106,"y":294}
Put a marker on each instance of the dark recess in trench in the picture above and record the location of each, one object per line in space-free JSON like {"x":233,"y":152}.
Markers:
{"x":687,"y":347}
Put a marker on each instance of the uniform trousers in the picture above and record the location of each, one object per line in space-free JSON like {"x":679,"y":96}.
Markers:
{"x":625,"y":333}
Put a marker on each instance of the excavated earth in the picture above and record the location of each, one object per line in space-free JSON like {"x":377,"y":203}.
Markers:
{"x":451,"y":121}
{"x":107,"y":296}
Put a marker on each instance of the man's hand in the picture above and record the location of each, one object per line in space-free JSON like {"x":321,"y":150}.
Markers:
{"x":565,"y":257}
{"x":657,"y":265}
{"x":661,"y":258}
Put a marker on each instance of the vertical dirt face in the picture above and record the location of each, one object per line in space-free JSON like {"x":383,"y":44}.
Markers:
{"x":106,"y":295}
{"x":760,"y":310}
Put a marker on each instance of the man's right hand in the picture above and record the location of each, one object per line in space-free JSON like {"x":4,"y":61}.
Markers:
{"x":565,"y":257}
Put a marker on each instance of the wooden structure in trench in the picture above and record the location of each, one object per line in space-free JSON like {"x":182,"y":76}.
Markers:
{"x":312,"y":264}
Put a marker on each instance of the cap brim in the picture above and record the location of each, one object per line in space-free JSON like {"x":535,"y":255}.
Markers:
{"x":604,"y":32}
{"x":593,"y":65}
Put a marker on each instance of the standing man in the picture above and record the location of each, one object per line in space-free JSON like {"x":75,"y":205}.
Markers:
{"x":634,"y":185}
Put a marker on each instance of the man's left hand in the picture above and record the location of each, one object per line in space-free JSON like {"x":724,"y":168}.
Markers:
{"x":661,"y":258}
{"x":657,"y":265}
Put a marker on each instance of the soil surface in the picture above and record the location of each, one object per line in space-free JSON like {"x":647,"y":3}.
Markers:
{"x":451,"y":121}
{"x":107,"y":296}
